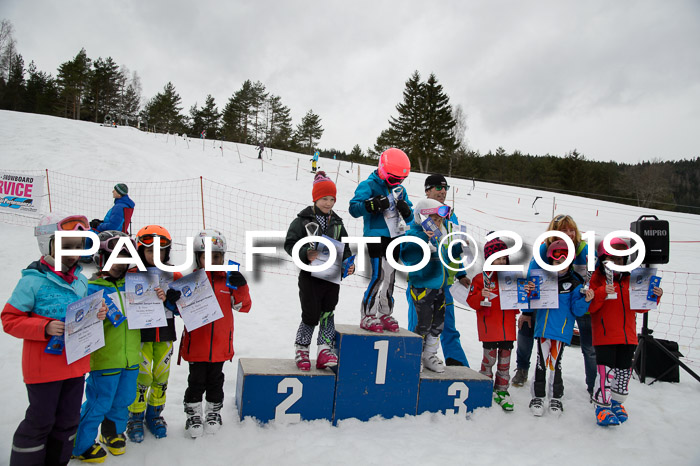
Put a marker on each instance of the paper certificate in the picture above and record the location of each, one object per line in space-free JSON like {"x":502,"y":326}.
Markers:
{"x":144,"y":309}
{"x":197,"y":304}
{"x":459,"y":293}
{"x":84,"y":331}
{"x":508,"y":286}
{"x":639,"y":287}
{"x":164,"y":279}
{"x":333,"y":273}
{"x":549,"y":290}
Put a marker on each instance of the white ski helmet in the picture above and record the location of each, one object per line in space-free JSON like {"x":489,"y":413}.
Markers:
{"x":50,"y":223}
{"x":218,"y":240}
{"x":424,"y":205}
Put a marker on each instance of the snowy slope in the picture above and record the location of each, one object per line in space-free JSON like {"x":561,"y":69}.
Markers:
{"x":661,"y":427}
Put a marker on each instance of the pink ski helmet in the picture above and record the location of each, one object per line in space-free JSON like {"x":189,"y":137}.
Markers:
{"x":615,"y":243}
{"x":394,"y":166}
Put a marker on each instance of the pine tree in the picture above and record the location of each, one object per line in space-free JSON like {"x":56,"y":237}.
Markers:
{"x":205,"y":119}
{"x":437,"y":138}
{"x":309,"y":131}
{"x":42,"y":95}
{"x":424,"y":128}
{"x":280,"y":125}
{"x":14,"y":91}
{"x":73,"y":79}
{"x":103,"y":97}
{"x":163,"y":110}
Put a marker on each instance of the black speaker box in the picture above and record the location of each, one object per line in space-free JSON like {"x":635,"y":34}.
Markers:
{"x":658,"y":362}
{"x":655,"y":234}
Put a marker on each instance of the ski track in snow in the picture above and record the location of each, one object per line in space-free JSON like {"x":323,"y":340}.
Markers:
{"x":662,"y":428}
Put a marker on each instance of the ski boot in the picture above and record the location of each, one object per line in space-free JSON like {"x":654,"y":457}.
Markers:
{"x":155,"y":422}
{"x":94,"y":454}
{"x":502,"y":398}
{"x":213,"y":421}
{"x":193,"y":425}
{"x":302,"y":358}
{"x":519,"y":378}
{"x":537,"y":407}
{"x":619,"y":411}
{"x":605,"y":417}
{"x":389,"y":323}
{"x":326,"y":358}
{"x":134,"y":427}
{"x":556,"y":407}
{"x":372,"y":324}
{"x":115,"y":443}
{"x":432,"y":362}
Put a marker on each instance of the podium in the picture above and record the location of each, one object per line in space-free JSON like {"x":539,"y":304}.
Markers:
{"x":274,"y":389}
{"x":458,"y":390}
{"x":378,"y":374}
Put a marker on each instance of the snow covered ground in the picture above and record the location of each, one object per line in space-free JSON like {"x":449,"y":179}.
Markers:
{"x":662,"y":426}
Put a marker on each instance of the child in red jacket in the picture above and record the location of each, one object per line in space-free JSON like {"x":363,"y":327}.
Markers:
{"x":496,"y":326}
{"x":208,"y":347}
{"x":614,"y":337}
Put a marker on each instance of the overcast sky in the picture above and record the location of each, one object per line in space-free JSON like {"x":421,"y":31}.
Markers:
{"x":613,"y":79}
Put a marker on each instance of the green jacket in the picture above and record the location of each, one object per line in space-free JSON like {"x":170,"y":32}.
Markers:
{"x":297,"y":230}
{"x":122,"y":347}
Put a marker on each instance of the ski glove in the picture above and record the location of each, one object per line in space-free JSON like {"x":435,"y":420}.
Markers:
{"x":377,"y":204}
{"x":94,"y":223}
{"x":403,"y":208}
{"x":235,"y":280}
{"x":171,"y":297}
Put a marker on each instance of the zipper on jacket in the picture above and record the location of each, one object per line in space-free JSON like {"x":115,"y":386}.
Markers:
{"x":624,"y":313}
{"x":602,"y":322}
{"x":486,"y":329}
{"x":503,"y":325}
{"x":566,"y":319}
{"x":211,"y":340}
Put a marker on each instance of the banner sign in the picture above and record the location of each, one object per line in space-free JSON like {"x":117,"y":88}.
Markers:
{"x":20,"y":193}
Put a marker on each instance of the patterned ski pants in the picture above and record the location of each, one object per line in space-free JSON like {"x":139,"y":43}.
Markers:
{"x":549,"y":353}
{"x":152,"y":382}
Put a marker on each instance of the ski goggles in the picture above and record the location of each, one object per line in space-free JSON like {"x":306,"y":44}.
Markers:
{"x":442,"y":211}
{"x":147,"y":240}
{"x":440,"y":187}
{"x":72,"y":223}
{"x":392,"y":180}
{"x":108,"y":245}
{"x":558,"y":254}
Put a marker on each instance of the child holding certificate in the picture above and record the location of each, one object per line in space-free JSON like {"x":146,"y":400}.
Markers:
{"x":35,"y":313}
{"x":554,"y":328}
{"x":318,"y":297}
{"x":156,"y":345}
{"x":496,"y":326}
{"x":427,"y":285}
{"x":614,"y":335}
{"x":209,"y":346}
{"x":111,"y":384}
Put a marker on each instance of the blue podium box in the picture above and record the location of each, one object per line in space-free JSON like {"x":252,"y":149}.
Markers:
{"x":275,"y":389}
{"x":458,"y":390}
{"x":377,"y":373}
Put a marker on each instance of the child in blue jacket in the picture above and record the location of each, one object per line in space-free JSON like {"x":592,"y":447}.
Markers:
{"x":428,"y":284}
{"x":554,"y":329}
{"x":381,"y":210}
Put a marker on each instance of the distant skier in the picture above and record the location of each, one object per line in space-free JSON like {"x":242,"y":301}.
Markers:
{"x":261,"y":148}
{"x":314,"y":162}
